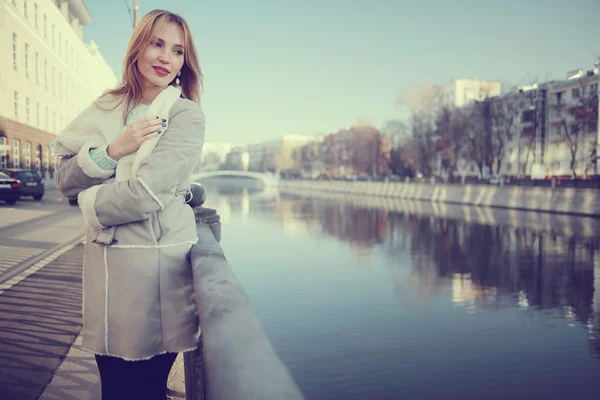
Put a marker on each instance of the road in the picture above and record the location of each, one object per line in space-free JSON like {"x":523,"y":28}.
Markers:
{"x":40,"y":308}
{"x":30,"y":229}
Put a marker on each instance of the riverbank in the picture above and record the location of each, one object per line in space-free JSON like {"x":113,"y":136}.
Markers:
{"x":582,"y":202}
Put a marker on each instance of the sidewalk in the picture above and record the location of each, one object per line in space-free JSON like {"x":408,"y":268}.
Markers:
{"x":77,"y":378}
{"x":40,"y":315}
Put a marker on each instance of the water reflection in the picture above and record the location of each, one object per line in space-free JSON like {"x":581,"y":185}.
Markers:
{"x":477,"y":267}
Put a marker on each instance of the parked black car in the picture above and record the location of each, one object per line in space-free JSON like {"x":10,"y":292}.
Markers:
{"x":10,"y":189}
{"x":32,"y":183}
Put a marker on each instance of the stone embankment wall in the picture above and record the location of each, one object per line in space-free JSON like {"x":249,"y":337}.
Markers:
{"x":582,"y":202}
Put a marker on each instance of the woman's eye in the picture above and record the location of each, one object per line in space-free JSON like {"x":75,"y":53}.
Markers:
{"x":179,"y":52}
{"x":156,"y":44}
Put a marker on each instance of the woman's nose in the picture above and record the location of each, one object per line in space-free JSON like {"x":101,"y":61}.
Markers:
{"x":164,"y":57}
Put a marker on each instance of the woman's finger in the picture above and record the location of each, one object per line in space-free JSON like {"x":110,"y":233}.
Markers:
{"x":147,"y":121}
{"x":151,"y":129}
{"x":150,"y":136}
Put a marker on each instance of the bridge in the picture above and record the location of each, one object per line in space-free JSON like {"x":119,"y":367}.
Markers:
{"x":267,"y":178}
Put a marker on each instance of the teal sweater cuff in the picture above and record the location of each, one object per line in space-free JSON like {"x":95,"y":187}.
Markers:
{"x":101,"y":158}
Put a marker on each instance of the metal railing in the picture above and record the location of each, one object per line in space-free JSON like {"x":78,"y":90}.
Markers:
{"x":235,"y":359}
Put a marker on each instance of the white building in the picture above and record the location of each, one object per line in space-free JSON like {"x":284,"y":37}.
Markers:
{"x":276,"y":155}
{"x":460,"y":92}
{"x":568,"y":140}
{"x":47,"y":74}
{"x":213,"y":155}
{"x":540,"y":146}
{"x":521,"y":124}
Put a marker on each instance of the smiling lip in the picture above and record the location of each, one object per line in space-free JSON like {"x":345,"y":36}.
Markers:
{"x":161,"y":71}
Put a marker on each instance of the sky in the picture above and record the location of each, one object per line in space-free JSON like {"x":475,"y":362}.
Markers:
{"x":277,"y":67}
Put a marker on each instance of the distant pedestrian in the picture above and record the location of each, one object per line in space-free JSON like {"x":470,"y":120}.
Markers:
{"x":128,"y":159}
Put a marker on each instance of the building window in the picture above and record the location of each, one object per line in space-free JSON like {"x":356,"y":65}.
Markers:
{"x":593,"y":88}
{"x":60,"y":43}
{"x":15,"y":52}
{"x":53,"y":81}
{"x":16,"y":106}
{"x":575,"y":93}
{"x":559,"y":97}
{"x":14,"y":3}
{"x":3,"y":152}
{"x":26,"y":60}
{"x":45,"y":26}
{"x":37,"y":67}
{"x":27,"y":111}
{"x":54,"y":121}
{"x":46,"y":159}
{"x":60,"y":88}
{"x":37,"y":115}
{"x":16,"y":153}
{"x":35,"y":16}
{"x":38,"y":158}
{"x":53,"y":41}
{"x":46,"y":74}
{"x":27,"y":156}
{"x":46,"y":118}
{"x":25,"y":14}
{"x":528,"y":116}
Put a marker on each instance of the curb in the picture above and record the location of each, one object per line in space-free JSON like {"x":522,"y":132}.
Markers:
{"x":39,"y":262}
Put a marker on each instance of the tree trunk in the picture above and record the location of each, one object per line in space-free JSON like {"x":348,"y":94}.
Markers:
{"x":526,"y":160}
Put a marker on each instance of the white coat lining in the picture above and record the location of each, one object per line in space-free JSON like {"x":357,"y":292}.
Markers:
{"x":106,"y":300}
{"x":160,"y":246}
{"x":141,"y":358}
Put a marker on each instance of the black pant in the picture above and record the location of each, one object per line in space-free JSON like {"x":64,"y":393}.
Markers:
{"x":146,"y":379}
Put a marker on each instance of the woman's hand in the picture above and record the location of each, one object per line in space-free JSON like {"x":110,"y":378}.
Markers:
{"x":134,"y":135}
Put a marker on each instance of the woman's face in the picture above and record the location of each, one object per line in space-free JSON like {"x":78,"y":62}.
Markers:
{"x":163,"y":58}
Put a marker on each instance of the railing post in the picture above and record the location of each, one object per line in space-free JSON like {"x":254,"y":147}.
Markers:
{"x":193,"y":364}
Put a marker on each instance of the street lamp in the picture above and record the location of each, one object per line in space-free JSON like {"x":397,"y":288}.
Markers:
{"x":136,"y":7}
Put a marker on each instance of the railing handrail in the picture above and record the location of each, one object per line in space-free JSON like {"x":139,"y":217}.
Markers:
{"x":235,"y":358}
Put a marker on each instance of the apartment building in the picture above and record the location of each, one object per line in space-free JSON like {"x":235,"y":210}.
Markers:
{"x":276,"y":155}
{"x":547,"y":139}
{"x":572,"y":137}
{"x":48,"y":74}
{"x":460,"y":92}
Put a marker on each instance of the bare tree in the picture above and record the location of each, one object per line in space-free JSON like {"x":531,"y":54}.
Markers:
{"x":480,"y":135}
{"x":577,"y":121}
{"x":397,"y":131}
{"x":423,"y":144}
{"x":451,"y":128}
{"x":528,"y":113}
{"x":505,"y":118}
{"x":424,"y":103}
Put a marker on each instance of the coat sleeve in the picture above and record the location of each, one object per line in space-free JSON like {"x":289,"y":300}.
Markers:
{"x":79,"y":172}
{"x":76,"y":170}
{"x":70,"y":178}
{"x":170,"y":163}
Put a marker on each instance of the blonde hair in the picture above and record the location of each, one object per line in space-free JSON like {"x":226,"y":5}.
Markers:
{"x":130,"y":88}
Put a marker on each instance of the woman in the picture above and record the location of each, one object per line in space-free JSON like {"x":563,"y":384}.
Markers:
{"x":128,"y":158}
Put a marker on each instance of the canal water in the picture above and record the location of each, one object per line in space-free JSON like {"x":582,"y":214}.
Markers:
{"x":370,"y":304}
